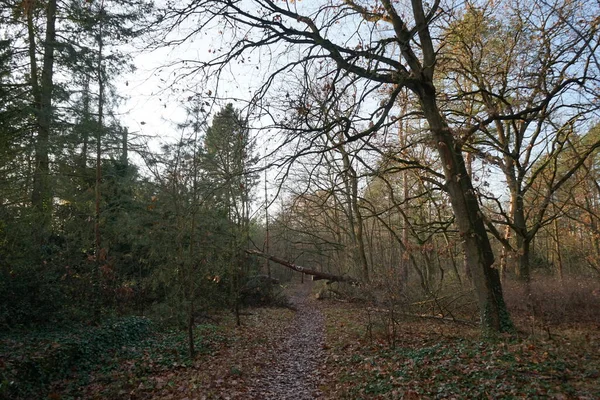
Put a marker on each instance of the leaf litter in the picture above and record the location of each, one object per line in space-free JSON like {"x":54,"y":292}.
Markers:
{"x":330,"y":350}
{"x":277,"y":353}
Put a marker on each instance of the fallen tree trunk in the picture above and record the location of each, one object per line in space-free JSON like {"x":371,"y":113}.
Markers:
{"x":424,"y":316}
{"x":317,"y":275}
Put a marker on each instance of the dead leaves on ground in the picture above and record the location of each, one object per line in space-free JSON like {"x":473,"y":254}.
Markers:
{"x":368,"y":357}
{"x":433,"y":360}
{"x":225,"y":374}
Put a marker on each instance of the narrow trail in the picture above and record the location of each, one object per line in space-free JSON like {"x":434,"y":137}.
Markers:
{"x":293,"y":370}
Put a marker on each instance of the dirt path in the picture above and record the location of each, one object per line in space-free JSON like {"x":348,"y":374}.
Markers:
{"x":293,"y":364}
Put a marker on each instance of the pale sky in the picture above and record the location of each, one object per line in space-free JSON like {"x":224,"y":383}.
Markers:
{"x":154,"y":104}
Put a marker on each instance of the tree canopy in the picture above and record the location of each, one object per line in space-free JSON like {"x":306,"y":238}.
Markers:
{"x":410,"y":153}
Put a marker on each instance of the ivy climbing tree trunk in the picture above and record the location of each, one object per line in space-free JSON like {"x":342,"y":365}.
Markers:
{"x":479,"y":257}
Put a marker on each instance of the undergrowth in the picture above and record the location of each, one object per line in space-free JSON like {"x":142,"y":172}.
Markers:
{"x":440,"y":360}
{"x":38,"y":364}
{"x":555,"y":302}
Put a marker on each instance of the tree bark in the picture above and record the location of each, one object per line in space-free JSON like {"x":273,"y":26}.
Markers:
{"x":100,"y":131}
{"x":479,"y":257}
{"x":266,"y":245}
{"x":317,"y":275}
{"x":405,"y":194}
{"x":354,"y":213}
{"x":522,"y":268}
{"x":506,"y":254}
{"x":559,"y":262}
{"x":125,"y":148}
{"x":523,"y":259}
{"x":41,"y":196}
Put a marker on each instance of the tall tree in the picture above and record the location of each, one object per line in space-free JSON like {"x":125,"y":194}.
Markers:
{"x":228,"y":159}
{"x":389,"y":46}
{"x":42,"y":84}
{"x":228,"y":162}
{"x":525,"y":70}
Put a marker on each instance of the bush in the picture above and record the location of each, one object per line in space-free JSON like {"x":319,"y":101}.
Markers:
{"x":260,"y":290}
{"x":29,"y":297}
{"x":35,"y":360}
{"x":570,"y":301}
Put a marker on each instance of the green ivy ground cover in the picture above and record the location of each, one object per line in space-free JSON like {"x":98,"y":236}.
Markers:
{"x":35,"y":364}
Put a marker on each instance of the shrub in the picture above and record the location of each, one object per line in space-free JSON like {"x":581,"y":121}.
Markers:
{"x":570,"y":301}
{"x":260,"y":290}
{"x":37,"y":359}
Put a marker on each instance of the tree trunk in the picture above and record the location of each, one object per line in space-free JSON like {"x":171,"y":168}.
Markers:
{"x":85,"y":125}
{"x":317,"y":275}
{"x":523,"y":249}
{"x":506,"y":251}
{"x":405,"y":194}
{"x":125,"y":148}
{"x":266,"y":245}
{"x":354,"y":216}
{"x":523,"y":259}
{"x":557,"y":250}
{"x":191,"y":323}
{"x":479,"y":257}
{"x":100,"y":129}
{"x":41,"y":196}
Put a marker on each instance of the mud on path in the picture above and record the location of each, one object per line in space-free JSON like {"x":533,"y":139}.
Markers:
{"x":292,"y":371}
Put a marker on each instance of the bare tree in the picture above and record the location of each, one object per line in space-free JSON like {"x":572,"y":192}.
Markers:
{"x":523,"y":75}
{"x":386,"y":47}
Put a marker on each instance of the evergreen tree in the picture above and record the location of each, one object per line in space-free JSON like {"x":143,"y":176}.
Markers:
{"x":50,"y":129}
{"x":228,"y":162}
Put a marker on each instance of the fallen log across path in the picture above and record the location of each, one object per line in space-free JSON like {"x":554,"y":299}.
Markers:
{"x":424,"y":316}
{"x":317,"y":275}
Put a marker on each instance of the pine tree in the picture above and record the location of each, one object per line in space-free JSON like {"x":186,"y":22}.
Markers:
{"x":228,"y":163}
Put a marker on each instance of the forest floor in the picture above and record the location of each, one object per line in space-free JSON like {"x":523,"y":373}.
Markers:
{"x":335,"y":350}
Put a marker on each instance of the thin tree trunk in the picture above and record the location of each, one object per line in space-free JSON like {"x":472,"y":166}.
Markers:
{"x":557,"y":249}
{"x":595,"y":234}
{"x":354,"y":215}
{"x":99,"y":132}
{"x":85,"y":122}
{"x":125,"y":148}
{"x":317,"y":275}
{"x":405,"y":193}
{"x":506,"y":252}
{"x":267,"y":261}
{"x":191,"y":323}
{"x":192,"y":256}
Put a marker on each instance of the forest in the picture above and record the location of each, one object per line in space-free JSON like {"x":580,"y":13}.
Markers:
{"x":299,"y":199}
